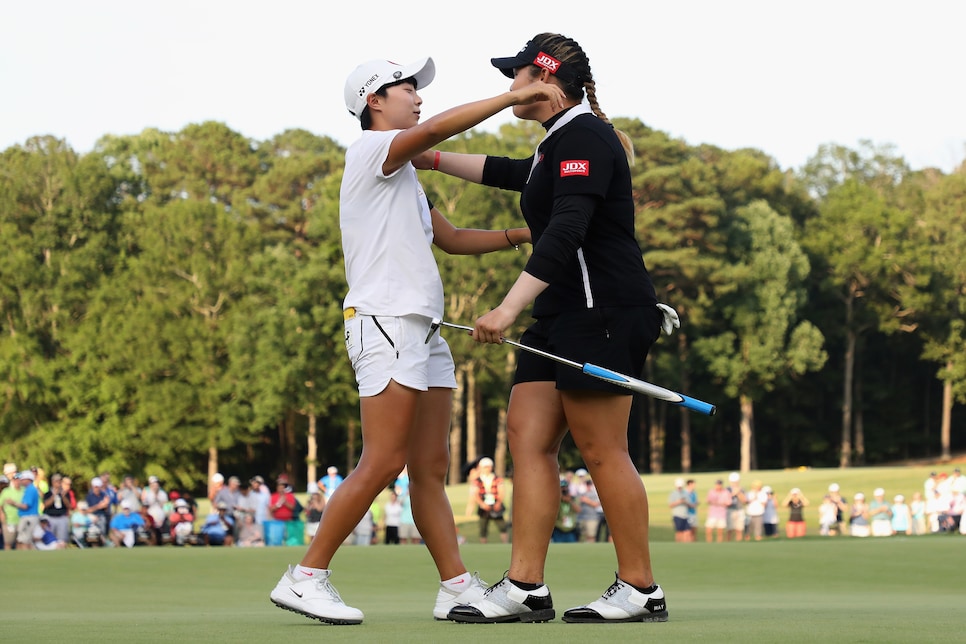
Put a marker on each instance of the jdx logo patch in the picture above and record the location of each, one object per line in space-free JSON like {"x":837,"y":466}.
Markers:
{"x":547,"y":62}
{"x":575,"y":168}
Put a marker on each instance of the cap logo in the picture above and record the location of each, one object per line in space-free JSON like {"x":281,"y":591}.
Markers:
{"x":397,"y":75}
{"x":548,"y":62}
{"x":575,"y":168}
{"x":367,"y":84}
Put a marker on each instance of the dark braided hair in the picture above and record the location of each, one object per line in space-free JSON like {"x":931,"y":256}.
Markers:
{"x":569,"y":53}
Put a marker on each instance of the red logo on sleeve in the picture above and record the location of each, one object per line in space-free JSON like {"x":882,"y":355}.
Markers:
{"x":575,"y":168}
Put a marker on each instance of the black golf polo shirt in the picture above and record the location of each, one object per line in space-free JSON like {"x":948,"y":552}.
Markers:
{"x":580,"y":209}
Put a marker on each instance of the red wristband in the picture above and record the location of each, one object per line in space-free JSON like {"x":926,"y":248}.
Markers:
{"x":436,"y":161}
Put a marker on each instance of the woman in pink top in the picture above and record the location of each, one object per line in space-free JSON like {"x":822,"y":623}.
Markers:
{"x":718,"y":501}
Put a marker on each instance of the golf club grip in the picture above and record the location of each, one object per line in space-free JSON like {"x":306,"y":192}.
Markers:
{"x":647,"y":388}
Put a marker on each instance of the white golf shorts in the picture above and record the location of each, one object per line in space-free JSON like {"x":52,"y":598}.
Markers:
{"x":383,"y":348}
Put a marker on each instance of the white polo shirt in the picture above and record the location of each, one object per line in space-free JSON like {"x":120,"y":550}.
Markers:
{"x":387,"y":235}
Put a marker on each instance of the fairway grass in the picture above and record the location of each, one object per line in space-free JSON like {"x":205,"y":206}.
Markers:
{"x":898,"y":589}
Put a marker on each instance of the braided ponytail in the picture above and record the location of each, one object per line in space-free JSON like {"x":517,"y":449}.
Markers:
{"x":568,"y":51}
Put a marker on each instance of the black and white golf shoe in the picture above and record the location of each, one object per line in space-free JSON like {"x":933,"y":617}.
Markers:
{"x":505,"y":602}
{"x":621,"y":603}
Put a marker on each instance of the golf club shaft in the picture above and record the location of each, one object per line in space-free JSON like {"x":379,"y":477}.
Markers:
{"x":634,"y":384}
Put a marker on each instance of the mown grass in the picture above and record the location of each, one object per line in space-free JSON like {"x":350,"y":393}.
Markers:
{"x":899,"y":589}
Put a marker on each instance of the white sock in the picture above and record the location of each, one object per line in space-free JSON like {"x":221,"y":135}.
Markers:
{"x":304,"y":572}
{"x":458,"y":583}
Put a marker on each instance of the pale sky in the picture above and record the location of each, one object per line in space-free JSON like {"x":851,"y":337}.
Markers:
{"x":780,"y":76}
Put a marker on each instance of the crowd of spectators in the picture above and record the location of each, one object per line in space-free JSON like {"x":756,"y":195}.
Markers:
{"x":737,"y":513}
{"x":37,"y":513}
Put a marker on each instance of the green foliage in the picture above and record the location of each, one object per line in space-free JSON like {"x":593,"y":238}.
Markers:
{"x":172,"y":293}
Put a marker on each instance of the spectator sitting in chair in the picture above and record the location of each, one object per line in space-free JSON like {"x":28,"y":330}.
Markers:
{"x":182,"y":523}
{"x":44,"y":538}
{"x":219,"y":527}
{"x":250,"y":534}
{"x":125,"y":524}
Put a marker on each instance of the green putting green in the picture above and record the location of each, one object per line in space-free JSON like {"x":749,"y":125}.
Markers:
{"x":896,"y":589}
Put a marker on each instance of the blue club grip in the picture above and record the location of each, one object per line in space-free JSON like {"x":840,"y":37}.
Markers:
{"x":697,"y":405}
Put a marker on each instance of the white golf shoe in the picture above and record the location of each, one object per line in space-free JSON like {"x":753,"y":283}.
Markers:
{"x":314,"y":597}
{"x":621,"y":603}
{"x":446,"y":599}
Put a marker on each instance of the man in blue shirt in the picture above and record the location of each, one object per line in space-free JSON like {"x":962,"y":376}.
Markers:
{"x":219,"y":527}
{"x":29,"y":510}
{"x":329,"y":482}
{"x":125,"y":525}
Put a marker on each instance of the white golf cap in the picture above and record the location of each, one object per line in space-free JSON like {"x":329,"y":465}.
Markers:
{"x":218,"y":478}
{"x":734,"y":476}
{"x":486,"y":461}
{"x":878,"y":492}
{"x":581,"y":472}
{"x":678,"y":482}
{"x":368,"y":77}
{"x":834,"y":487}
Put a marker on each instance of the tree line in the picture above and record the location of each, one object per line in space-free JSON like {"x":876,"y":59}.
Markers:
{"x":171,"y":304}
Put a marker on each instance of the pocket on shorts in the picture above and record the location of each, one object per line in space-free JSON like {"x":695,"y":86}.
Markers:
{"x":353,"y":339}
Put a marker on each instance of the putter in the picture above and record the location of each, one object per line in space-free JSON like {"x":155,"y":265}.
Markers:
{"x":634,"y":384}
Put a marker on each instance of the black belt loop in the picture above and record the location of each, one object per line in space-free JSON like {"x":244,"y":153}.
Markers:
{"x":384,"y":334}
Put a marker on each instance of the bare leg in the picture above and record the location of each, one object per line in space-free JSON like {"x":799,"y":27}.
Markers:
{"x":387,"y":423}
{"x":535,"y":427}
{"x":598,"y":424}
{"x":428,"y":467}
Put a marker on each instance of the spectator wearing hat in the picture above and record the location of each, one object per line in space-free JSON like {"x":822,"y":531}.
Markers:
{"x":680,"y":503}
{"x":835,"y":493}
{"x":124,"y":525}
{"x":263,"y":501}
{"x":490,"y":507}
{"x":755,"y":509}
{"x":880,"y":514}
{"x":10,"y":496}
{"x":57,"y":508}
{"x":10,"y":471}
{"x":282,"y":505}
{"x":181,"y":522}
{"x":796,"y":502}
{"x":43,"y":536}
{"x":215,"y":485}
{"x":99,"y":504}
{"x":80,"y":524}
{"x":153,"y":500}
{"x":859,"y":516}
{"x":719,"y":499}
{"x":219,"y":527}
{"x":28,"y":510}
{"x":329,"y":482}
{"x":827,"y":516}
{"x":565,"y":527}
{"x":736,"y":509}
{"x":901,"y":515}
